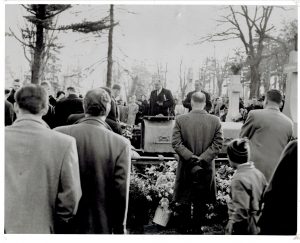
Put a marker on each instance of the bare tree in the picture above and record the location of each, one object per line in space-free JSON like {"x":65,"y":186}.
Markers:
{"x":221,"y":72}
{"x":182,"y":81}
{"x":110,"y":47}
{"x":38,"y":41}
{"x":252,"y":37}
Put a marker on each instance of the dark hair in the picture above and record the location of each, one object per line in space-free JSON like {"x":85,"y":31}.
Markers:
{"x":59,"y":93}
{"x":95,"y":102}
{"x":274,"y":95}
{"x":32,"y":98}
{"x":116,"y":86}
{"x":71,"y":88}
{"x":199,"y":97}
{"x":238,"y":150}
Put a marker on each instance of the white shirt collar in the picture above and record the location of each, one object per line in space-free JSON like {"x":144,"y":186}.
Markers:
{"x":158,"y":91}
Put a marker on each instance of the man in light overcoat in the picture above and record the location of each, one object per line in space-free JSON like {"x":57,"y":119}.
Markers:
{"x":42,"y":183}
{"x":268,"y":131}
{"x":197,"y":139}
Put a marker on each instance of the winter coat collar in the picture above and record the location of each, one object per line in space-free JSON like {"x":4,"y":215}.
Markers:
{"x":272,"y":108}
{"x":94,"y":121}
{"x":31,"y":118}
{"x":199,"y":111}
{"x":245,"y":166}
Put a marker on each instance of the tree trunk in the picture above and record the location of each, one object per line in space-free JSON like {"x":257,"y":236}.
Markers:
{"x":267,"y":81}
{"x":133,"y":86}
{"x":254,"y":81}
{"x":110,"y":48}
{"x":39,"y":45}
{"x":220,"y":84}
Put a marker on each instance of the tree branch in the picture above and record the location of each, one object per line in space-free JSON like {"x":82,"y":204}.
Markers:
{"x":25,"y":54}
{"x":59,"y":11}
{"x":28,"y":9}
{"x":22,"y":42}
{"x":239,"y":29}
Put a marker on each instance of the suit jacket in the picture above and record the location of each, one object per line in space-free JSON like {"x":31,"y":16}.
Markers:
{"x":187,"y":102}
{"x":114,"y":111}
{"x":11,"y":97}
{"x":280,"y":197}
{"x":196,"y":133}
{"x":164,"y":96}
{"x":42,"y":184}
{"x":49,"y":118}
{"x":104,"y":159}
{"x":67,"y":106}
{"x":269,"y":131}
{"x":9,"y":113}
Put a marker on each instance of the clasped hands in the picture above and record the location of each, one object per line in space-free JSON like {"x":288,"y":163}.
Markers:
{"x":197,"y":161}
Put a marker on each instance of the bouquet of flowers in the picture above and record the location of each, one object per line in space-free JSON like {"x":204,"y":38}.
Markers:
{"x":164,"y":184}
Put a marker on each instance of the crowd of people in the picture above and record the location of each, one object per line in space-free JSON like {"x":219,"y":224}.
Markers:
{"x":67,"y":167}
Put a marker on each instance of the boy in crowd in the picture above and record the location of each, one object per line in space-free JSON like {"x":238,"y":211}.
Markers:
{"x":247,"y":187}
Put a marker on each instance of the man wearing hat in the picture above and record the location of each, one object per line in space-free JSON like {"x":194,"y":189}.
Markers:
{"x":246,"y":189}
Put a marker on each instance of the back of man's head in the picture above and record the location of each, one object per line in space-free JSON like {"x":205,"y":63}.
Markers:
{"x":32,"y":98}
{"x":71,"y":90}
{"x":274,"y":96}
{"x":198,"y":98}
{"x":97,"y":102}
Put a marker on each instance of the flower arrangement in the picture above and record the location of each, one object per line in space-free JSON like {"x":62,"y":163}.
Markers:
{"x":150,"y":187}
{"x":218,"y":211}
{"x":151,"y":190}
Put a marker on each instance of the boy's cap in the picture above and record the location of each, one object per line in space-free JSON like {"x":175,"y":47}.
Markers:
{"x":237,"y":150}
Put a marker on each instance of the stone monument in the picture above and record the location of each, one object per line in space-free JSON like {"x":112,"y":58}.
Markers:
{"x":291,"y":103}
{"x":234,"y":90}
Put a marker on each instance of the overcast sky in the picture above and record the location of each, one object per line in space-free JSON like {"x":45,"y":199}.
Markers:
{"x":147,"y":33}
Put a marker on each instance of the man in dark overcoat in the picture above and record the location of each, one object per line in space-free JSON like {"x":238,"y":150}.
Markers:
{"x":104,"y":165}
{"x":198,"y":88}
{"x":16,"y":85}
{"x":197,"y":139}
{"x":161,"y":100}
{"x":71,"y":104}
{"x":279,"y":214}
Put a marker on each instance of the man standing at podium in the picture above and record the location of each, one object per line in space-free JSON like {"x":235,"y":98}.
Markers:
{"x":161,"y":100}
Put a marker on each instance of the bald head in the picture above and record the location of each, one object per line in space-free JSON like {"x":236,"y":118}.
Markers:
{"x":97,"y":102}
{"x":198,"y":100}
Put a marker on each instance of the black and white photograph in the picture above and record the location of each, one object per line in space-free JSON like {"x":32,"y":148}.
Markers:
{"x":150,"y":118}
